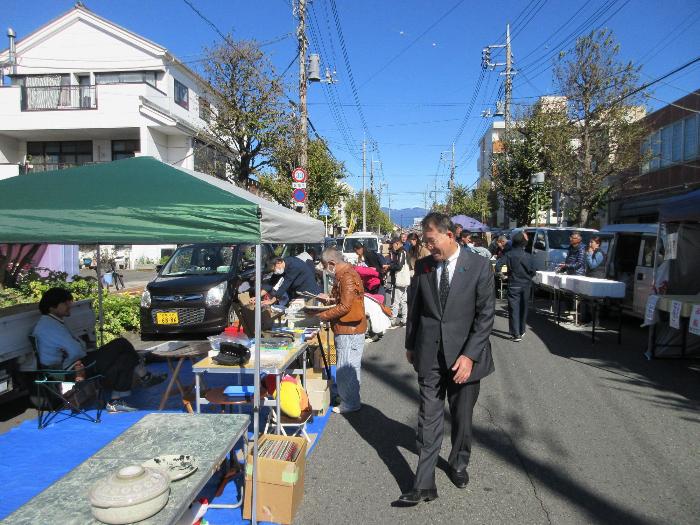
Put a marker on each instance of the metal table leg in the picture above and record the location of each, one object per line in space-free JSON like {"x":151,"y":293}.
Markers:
{"x":197,"y":392}
{"x":278,"y":407}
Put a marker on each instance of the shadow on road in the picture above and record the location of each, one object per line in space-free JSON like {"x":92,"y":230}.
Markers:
{"x":387,"y":436}
{"x":626,"y":361}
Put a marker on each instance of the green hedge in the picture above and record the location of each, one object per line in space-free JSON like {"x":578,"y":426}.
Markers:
{"x":121,"y":312}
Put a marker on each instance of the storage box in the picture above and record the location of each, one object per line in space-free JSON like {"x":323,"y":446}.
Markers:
{"x":319,"y":392}
{"x":280,"y":486}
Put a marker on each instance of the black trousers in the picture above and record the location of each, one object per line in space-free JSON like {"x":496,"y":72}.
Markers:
{"x":518,"y":297}
{"x":116,"y":361}
{"x":434,"y":387}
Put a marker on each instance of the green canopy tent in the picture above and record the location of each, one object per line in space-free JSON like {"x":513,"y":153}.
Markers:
{"x":144,"y":201}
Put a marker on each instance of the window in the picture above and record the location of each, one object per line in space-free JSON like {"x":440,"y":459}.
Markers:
{"x":645,"y":151}
{"x":677,"y":141}
{"x":124,"y":149}
{"x":182,"y":95}
{"x":666,"y":139}
{"x":655,"y":151}
{"x":126,"y":77}
{"x":47,"y":156}
{"x":204,"y":109}
{"x":690,"y":138}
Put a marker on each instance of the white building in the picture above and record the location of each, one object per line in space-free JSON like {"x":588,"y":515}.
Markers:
{"x":84,"y":90}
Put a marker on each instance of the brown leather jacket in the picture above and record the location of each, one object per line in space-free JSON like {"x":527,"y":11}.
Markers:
{"x":348,"y":288}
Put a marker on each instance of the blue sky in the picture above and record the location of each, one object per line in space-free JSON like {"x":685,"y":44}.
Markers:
{"x":415,"y":63}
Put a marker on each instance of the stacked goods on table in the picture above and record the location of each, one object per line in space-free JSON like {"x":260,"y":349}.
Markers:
{"x":280,"y":485}
{"x":578,"y":284}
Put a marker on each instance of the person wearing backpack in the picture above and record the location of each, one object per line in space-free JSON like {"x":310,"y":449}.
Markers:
{"x":521,"y":270}
{"x":400,"y":278}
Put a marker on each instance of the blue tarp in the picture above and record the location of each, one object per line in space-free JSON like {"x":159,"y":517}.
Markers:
{"x":31,"y":460}
{"x":683,"y":208}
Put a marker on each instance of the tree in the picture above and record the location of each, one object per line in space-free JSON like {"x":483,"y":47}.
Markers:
{"x":529,"y":149}
{"x":376,"y":218}
{"x":325,"y":176}
{"x":603,"y":123}
{"x":250,"y":115}
{"x":474,"y":203}
{"x":14,"y":259}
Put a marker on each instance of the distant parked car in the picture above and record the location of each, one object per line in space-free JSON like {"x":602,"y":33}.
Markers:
{"x":371,"y":241}
{"x":549,"y":246}
{"x":194,"y":291}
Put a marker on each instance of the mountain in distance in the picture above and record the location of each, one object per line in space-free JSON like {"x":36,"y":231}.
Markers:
{"x":404,"y":217}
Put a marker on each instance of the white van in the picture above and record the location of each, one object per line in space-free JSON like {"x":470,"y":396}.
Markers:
{"x":630,"y":259}
{"x":549,"y":246}
{"x":371,"y":241}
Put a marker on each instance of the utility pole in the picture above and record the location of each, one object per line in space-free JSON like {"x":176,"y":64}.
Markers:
{"x":507,"y":72}
{"x":301,"y":37}
{"x":509,"y":81}
{"x":364,"y":200}
{"x":371,"y":174}
{"x":452,"y":179}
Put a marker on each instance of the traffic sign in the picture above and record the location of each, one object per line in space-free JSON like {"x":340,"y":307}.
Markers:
{"x":299,"y":175}
{"x":299,"y":195}
{"x":324,"y":210}
{"x":299,"y":185}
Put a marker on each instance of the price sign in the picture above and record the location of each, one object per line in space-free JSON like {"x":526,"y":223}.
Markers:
{"x":299,"y":175}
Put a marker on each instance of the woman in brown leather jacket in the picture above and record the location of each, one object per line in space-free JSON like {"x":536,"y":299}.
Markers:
{"x":349,"y":324}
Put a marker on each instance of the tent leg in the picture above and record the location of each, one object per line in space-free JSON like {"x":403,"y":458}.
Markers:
{"x":100,"y":291}
{"x":256,"y":395}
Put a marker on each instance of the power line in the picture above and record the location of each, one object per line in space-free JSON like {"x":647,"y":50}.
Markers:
{"x":209,"y":23}
{"x":411,"y":44}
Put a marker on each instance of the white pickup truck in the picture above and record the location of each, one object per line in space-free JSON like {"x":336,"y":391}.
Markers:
{"x":16,"y":353}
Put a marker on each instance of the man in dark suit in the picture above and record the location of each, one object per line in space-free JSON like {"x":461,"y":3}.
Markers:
{"x":450,"y":315}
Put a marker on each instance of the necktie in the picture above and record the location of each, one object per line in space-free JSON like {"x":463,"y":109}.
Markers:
{"x":444,"y":285}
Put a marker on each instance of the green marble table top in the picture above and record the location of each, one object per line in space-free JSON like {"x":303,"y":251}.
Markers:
{"x":208,"y":437}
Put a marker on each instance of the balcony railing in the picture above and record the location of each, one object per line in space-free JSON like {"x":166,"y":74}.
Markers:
{"x":51,"y":98}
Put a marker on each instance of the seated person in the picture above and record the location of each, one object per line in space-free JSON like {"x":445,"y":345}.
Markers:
{"x":295,"y":276}
{"x":117,"y":361}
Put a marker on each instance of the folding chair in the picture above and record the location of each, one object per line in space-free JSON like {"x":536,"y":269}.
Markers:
{"x":298,"y":423}
{"x":58,"y":392}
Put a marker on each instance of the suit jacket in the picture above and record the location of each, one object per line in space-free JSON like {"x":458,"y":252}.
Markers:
{"x":464,"y":326}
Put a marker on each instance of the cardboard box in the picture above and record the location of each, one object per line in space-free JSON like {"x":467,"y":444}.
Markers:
{"x":319,"y":392}
{"x":280,"y":486}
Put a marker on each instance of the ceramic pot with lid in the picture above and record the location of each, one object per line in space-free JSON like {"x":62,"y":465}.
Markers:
{"x":131,"y":494}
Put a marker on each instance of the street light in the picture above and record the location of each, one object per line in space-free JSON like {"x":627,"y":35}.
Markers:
{"x":537,"y":180}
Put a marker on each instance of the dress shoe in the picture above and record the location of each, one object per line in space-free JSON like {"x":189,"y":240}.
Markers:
{"x":460,"y":478}
{"x":414,"y":497}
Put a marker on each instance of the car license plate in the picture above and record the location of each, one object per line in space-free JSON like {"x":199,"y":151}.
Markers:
{"x":167,"y":318}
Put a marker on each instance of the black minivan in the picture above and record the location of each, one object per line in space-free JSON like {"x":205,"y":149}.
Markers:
{"x":194,"y":291}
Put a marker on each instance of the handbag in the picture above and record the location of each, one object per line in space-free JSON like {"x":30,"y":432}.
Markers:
{"x":403,"y":276}
{"x":82,"y":395}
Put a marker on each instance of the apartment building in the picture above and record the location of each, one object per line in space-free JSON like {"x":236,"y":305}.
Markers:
{"x":81,"y":89}
{"x":672,"y":162}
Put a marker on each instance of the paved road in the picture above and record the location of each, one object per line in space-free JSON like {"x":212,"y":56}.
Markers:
{"x":135,"y":280}
{"x":565,"y":432}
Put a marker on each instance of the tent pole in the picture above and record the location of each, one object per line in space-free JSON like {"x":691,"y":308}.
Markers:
{"x":256,"y":389}
{"x":650,"y":335}
{"x":99,"y":294}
